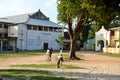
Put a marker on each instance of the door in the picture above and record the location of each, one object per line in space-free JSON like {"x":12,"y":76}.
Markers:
{"x":45,"y":46}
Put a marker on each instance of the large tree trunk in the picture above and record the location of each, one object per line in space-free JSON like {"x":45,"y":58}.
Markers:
{"x":74,"y":35}
{"x":73,"y":49}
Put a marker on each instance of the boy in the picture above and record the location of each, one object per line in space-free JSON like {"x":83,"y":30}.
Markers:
{"x":60,"y":59}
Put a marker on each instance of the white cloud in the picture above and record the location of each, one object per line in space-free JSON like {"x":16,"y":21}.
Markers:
{"x":49,"y":3}
{"x":13,"y":7}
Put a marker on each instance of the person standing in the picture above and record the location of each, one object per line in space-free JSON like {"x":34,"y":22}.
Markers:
{"x":60,"y":50}
{"x":59,"y":60}
{"x":50,"y":53}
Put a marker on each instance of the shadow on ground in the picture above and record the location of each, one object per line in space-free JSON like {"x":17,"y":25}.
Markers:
{"x":20,"y":74}
{"x":15,"y":74}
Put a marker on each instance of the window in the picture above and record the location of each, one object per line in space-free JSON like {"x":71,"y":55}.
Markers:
{"x":34,"y":27}
{"x":0,"y":25}
{"x":5,"y":35}
{"x":112,"y":33}
{"x":56,"y":29}
{"x":0,"y":35}
{"x":40,"y":28}
{"x":51,"y":29}
{"x":5,"y":26}
{"x":29,"y":27}
{"x":45,"y":28}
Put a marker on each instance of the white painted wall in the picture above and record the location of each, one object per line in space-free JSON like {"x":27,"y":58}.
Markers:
{"x":33,"y":39}
{"x":22,"y":37}
{"x":36,"y":39}
{"x":104,"y":35}
{"x":13,"y":31}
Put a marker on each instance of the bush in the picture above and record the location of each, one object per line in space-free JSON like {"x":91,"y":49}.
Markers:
{"x":100,"y":41}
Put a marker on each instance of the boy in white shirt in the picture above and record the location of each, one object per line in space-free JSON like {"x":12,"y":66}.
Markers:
{"x":60,"y":59}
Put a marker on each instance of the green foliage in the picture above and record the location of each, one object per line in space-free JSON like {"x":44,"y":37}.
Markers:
{"x":49,"y":66}
{"x":102,"y":11}
{"x":76,"y":13}
{"x":8,"y":54}
{"x":115,"y":22}
{"x":91,"y":34}
{"x":60,"y":40}
{"x":85,"y":32}
{"x":99,"y":41}
{"x":15,"y":74}
{"x":68,"y":9}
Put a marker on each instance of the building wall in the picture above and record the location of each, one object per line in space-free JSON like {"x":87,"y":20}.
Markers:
{"x":90,"y":44}
{"x":13,"y":31}
{"x":12,"y":34}
{"x":22,"y":37}
{"x":114,"y":38}
{"x":34,"y":39}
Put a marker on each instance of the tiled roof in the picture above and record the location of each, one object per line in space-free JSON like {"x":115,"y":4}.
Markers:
{"x":29,"y":19}
{"x":16,"y":19}
{"x":46,"y":23}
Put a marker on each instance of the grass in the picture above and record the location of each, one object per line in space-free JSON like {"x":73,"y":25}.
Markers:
{"x":14,"y":74}
{"x":50,"y":66}
{"x":8,"y":54}
{"x":110,"y":54}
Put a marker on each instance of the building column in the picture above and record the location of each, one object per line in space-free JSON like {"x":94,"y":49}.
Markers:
{"x":1,"y":45}
{"x":2,"y":38}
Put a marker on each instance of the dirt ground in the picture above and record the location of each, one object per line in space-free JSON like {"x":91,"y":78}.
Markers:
{"x":97,"y":67}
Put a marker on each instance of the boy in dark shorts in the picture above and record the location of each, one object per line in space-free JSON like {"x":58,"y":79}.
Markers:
{"x":60,"y":59}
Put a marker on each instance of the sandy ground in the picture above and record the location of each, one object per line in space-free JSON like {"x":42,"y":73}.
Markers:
{"x":97,"y":67}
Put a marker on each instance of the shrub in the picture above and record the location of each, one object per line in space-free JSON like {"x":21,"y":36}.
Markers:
{"x":100,"y":41}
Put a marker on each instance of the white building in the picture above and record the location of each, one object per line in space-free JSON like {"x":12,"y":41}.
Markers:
{"x":104,"y":35}
{"x":29,"y":32}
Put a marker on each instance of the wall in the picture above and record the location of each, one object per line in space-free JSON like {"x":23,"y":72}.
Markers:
{"x":22,"y":37}
{"x":90,"y":44}
{"x":114,"y":39}
{"x":13,"y":31}
{"x":112,"y":50}
{"x":33,"y":39}
{"x":36,"y":39}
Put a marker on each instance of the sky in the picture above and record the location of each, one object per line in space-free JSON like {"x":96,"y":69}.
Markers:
{"x":16,"y":7}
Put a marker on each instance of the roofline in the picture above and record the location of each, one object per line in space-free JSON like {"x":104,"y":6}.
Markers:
{"x":7,"y":22}
{"x":115,"y":28}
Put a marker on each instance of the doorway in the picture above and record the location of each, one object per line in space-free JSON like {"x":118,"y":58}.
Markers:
{"x":45,"y":46}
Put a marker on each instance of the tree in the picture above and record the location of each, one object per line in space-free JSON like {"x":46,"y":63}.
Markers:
{"x":75,"y":13}
{"x":115,"y":22}
{"x":60,"y":41}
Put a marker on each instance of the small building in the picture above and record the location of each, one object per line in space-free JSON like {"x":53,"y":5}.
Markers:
{"x":111,"y":39}
{"x":32,"y":31}
{"x":104,"y":35}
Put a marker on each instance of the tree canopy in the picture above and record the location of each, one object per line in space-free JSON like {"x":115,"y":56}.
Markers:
{"x":76,"y":13}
